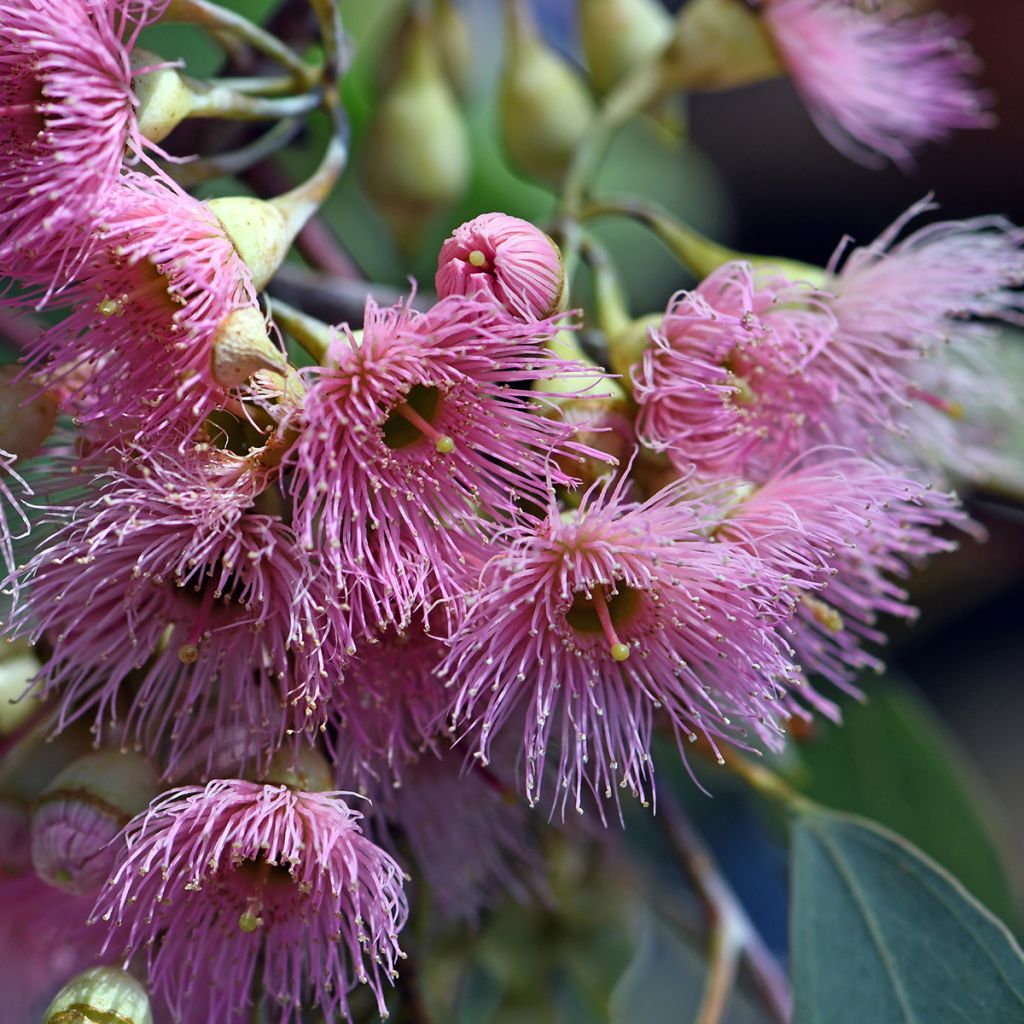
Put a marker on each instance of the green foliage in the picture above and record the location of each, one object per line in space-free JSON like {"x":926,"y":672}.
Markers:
{"x":881,"y":934}
{"x":894,"y":762}
{"x":665,"y":981}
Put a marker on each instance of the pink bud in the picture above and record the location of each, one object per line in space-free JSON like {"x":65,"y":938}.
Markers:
{"x":505,"y":258}
{"x":81,"y":812}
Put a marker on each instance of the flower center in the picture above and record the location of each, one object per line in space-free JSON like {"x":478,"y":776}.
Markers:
{"x":141,"y":282}
{"x":603,"y":612}
{"x":412,"y":420}
{"x":264,"y":888}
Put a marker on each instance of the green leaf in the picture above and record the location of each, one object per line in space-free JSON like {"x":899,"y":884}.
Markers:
{"x":883,"y":935}
{"x":665,"y":981}
{"x":894,"y":762}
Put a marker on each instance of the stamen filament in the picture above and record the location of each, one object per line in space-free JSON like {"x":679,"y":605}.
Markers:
{"x":442,"y":442}
{"x":618,"y":650}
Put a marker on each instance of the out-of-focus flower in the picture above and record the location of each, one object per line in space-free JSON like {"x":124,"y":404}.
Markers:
{"x":876,"y":82}
{"x":240,"y":883}
{"x":68,"y":121}
{"x":593,"y":620}
{"x":413,"y":434}
{"x":168,"y":578}
{"x":387,"y":710}
{"x":44,"y":940}
{"x":468,"y":834}
{"x":507,"y":259}
{"x":843,"y":532}
{"x":918,"y":310}
{"x":161,"y":286}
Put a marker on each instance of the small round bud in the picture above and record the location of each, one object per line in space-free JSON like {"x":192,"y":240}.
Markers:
{"x":506,"y":258}
{"x":165,"y":99}
{"x":721,"y":44}
{"x":304,"y":768}
{"x":27,"y":413}
{"x":545,"y":106}
{"x":620,"y":36}
{"x":417,"y":157}
{"x":259,"y":232}
{"x":241,"y":347}
{"x":81,"y":811}
{"x":100,"y":995}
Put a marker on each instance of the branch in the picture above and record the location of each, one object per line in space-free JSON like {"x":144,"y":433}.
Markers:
{"x":733,"y":933}
{"x":336,"y":299}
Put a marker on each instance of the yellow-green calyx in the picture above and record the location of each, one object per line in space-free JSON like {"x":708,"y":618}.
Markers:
{"x":100,"y":995}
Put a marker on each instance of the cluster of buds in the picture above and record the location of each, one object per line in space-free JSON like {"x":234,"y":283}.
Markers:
{"x":461,"y":555}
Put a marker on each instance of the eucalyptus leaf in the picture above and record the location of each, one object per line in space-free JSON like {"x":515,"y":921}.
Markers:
{"x":665,"y":981}
{"x":894,"y":762}
{"x":881,"y":934}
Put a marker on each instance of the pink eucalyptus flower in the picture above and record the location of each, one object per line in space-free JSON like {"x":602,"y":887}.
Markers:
{"x":469,"y":837}
{"x":241,"y":882}
{"x":916,"y":308}
{"x":170,"y":581}
{"x":387,"y":710}
{"x":415,"y":432}
{"x":44,"y":941}
{"x":876,"y":83}
{"x":505,"y":258}
{"x":842,"y":532}
{"x":67,"y":120}
{"x":159,"y":282}
{"x":734,"y":379}
{"x":595,"y":619}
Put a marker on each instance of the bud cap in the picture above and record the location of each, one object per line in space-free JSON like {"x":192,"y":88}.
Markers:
{"x":100,"y":995}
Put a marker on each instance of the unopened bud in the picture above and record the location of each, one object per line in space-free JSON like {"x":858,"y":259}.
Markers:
{"x":507,"y":259}
{"x":27,"y":413}
{"x":304,"y":768}
{"x":17,"y":667}
{"x":241,"y":347}
{"x":546,"y":108}
{"x":80,"y":813}
{"x":165,"y":99}
{"x":417,"y":156}
{"x":721,"y":44}
{"x":596,"y":405}
{"x":100,"y":995}
{"x":627,"y":347}
{"x":620,"y":36}
{"x":258,"y":230}
{"x":454,"y":44}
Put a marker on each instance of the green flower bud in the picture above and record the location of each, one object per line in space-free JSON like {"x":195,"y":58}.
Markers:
{"x":721,"y":44}
{"x":100,"y":995}
{"x":241,"y":347}
{"x":165,"y":99}
{"x":417,"y":157}
{"x":259,"y":232}
{"x":621,"y":35}
{"x":455,"y":45}
{"x":27,"y":413}
{"x":545,"y":106}
{"x":306,"y":769}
